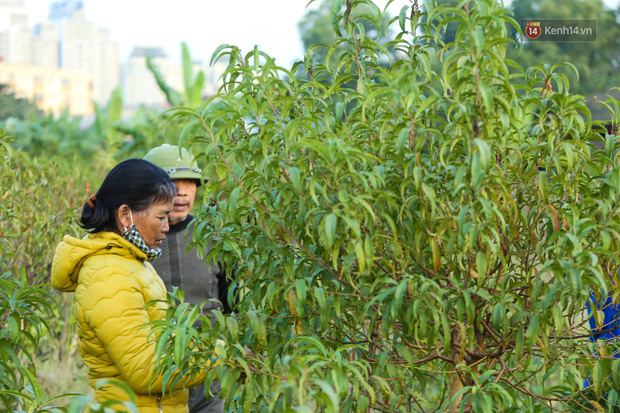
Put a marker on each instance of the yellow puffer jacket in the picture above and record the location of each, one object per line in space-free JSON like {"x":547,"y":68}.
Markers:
{"x":112,"y":284}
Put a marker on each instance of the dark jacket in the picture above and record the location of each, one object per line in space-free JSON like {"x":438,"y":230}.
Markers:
{"x":186,"y":270}
{"x":199,"y":282}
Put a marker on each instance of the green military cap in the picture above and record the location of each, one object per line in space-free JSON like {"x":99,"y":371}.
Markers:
{"x":179,"y":164}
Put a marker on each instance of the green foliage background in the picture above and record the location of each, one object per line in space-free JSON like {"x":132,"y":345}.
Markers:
{"x":416,"y":223}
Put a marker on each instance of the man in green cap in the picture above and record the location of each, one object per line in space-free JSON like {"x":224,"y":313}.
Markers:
{"x":199,"y":281}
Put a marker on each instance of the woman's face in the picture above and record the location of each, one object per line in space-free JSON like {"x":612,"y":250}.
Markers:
{"x":153,"y":223}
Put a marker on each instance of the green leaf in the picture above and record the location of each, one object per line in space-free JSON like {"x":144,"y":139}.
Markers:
{"x":233,"y":200}
{"x":402,"y":17}
{"x":532,"y":332}
{"x":232,"y":327}
{"x":300,"y":287}
{"x":498,"y":316}
{"x":361,"y":256}
{"x":520,"y":343}
{"x":598,"y":378}
{"x":558,"y":319}
{"x":330,"y":223}
{"x":336,"y":6}
{"x":295,"y":179}
{"x":481,"y":266}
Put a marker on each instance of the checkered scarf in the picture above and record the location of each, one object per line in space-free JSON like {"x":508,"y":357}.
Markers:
{"x":132,"y":235}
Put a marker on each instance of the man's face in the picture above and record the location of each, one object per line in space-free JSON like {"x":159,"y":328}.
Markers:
{"x":184,"y":200}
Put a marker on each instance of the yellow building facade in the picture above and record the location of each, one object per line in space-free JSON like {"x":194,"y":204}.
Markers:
{"x":52,"y":89}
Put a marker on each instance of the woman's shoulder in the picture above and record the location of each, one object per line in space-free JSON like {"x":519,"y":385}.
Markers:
{"x":107,"y":277}
{"x":115,"y":265}
{"x":72,"y":254}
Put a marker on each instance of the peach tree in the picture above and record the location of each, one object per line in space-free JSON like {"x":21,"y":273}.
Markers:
{"x":404,"y":238}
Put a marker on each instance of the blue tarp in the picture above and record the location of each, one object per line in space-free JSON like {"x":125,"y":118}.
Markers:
{"x":610,"y":330}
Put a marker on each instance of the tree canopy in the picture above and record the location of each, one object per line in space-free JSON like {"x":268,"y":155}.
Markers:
{"x":410,"y":237}
{"x":596,"y":62}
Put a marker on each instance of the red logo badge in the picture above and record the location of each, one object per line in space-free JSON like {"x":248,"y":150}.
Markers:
{"x":533,"y":30}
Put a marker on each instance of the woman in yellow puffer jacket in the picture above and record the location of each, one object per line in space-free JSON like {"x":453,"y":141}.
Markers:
{"x":110,"y":272}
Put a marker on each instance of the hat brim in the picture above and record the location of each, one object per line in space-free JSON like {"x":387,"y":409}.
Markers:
{"x":189,"y":175}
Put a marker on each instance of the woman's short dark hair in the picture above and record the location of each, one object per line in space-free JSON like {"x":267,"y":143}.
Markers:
{"x":135,"y":182}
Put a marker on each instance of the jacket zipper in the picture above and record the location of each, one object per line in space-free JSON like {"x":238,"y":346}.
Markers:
{"x":159,"y":406}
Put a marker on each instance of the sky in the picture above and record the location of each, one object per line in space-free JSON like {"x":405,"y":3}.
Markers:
{"x":203,"y":24}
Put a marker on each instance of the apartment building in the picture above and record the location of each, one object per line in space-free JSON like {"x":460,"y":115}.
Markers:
{"x":67,"y":52}
{"x":53,"y":89}
{"x":66,"y":41}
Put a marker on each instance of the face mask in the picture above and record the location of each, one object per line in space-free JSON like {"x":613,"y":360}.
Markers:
{"x":132,"y":235}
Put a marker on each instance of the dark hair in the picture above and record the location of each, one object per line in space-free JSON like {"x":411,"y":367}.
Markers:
{"x":135,"y":182}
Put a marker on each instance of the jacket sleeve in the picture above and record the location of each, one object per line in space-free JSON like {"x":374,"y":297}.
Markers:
{"x":117,"y":315}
